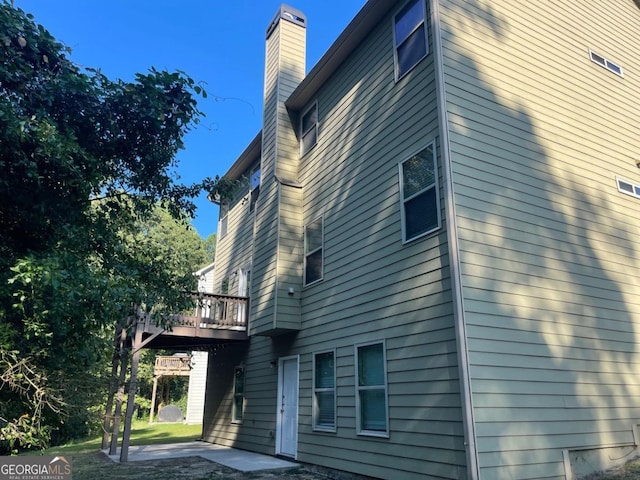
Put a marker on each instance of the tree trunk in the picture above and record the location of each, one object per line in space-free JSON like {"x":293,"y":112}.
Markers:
{"x":133,"y":381}
{"x":124,"y":360}
{"x":118,"y":346}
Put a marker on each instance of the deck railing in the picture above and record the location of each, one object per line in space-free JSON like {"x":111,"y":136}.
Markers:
{"x":212,"y":311}
{"x":172,"y":365}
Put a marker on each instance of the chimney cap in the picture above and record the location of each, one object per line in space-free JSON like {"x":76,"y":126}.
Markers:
{"x":290,"y":14}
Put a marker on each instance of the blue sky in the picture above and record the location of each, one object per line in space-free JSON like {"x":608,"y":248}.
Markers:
{"x":220,"y":43}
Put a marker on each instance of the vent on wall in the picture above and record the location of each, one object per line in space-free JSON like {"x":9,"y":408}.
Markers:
{"x":606,"y":63}
{"x":629,"y":188}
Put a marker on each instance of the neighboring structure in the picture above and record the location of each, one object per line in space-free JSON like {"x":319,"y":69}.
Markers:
{"x":205,"y":278}
{"x":193,"y":366}
{"x":197,"y":387}
{"x":439,"y":237}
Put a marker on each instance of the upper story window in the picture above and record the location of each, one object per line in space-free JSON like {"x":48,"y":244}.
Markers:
{"x":410,"y":37}
{"x":309,"y":128}
{"x":313,"y":247}
{"x":254,"y":179}
{"x":419,"y":199}
{"x":224,"y":215}
{"x":628,"y":188}
{"x":606,"y":63}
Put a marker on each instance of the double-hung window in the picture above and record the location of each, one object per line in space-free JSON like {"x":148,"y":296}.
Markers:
{"x":420,"y":203}
{"x":313,"y":248}
{"x":324,"y":392}
{"x":308,"y":128}
{"x":238,"y":395}
{"x":371,"y":390}
{"x":255,"y":187}
{"x":410,"y":37}
{"x":224,"y":220}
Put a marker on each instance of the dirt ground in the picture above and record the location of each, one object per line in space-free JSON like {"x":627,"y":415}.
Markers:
{"x":97,"y":466}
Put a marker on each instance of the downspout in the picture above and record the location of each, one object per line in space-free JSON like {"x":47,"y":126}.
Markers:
{"x":453,"y":244}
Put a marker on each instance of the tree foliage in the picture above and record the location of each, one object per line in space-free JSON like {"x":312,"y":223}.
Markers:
{"x":87,"y":178}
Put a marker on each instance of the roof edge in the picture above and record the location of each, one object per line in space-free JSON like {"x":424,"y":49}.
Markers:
{"x":365,"y":20}
{"x":246,"y":158}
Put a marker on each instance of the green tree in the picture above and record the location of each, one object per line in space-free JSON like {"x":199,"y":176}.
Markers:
{"x":85,"y":162}
{"x":210,"y":246}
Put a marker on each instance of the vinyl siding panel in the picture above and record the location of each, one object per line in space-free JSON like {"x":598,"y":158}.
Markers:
{"x":278,"y":225}
{"x":197,"y":388}
{"x":548,"y":246}
{"x":263,"y":282}
{"x":234,"y":249}
{"x":374,"y":287}
{"x":290,"y":257}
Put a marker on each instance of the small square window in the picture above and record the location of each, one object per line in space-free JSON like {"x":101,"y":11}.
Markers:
{"x":606,"y":63}
{"x":420,"y":205}
{"x":598,"y":59}
{"x":410,"y":37}
{"x":324,"y":392}
{"x":308,"y":129}
{"x":313,"y":251}
{"x":614,"y":68}
{"x":371,"y":390}
{"x":625,"y":187}
{"x":628,"y":188}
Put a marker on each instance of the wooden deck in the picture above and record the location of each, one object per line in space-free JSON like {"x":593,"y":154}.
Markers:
{"x":173,"y":365}
{"x":216,"y":319}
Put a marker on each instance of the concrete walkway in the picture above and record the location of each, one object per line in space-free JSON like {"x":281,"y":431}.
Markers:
{"x":229,"y":457}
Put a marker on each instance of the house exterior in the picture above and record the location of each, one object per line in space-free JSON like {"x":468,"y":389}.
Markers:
{"x":197,"y":387}
{"x":438,"y":232}
{"x":205,"y":276}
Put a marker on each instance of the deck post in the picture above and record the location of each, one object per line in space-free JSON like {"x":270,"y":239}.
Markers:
{"x":153,"y":398}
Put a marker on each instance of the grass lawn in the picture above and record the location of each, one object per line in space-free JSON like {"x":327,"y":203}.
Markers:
{"x":142,"y":433}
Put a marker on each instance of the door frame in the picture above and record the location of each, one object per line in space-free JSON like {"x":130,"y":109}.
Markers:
{"x":279,"y":422}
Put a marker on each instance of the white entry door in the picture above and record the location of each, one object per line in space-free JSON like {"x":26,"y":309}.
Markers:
{"x":287,"y":423}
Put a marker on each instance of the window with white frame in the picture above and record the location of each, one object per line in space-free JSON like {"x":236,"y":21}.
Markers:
{"x":313,"y":251}
{"x":628,"y":188}
{"x":410,"y":37}
{"x":324,"y":392}
{"x":606,"y":63}
{"x":224,"y":215}
{"x":238,"y":395}
{"x":255,"y":187}
{"x":420,"y":202}
{"x":371,"y":389}
{"x":308,"y":128}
